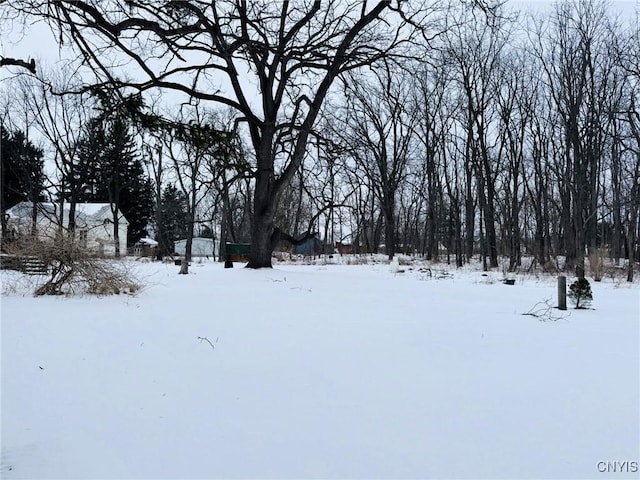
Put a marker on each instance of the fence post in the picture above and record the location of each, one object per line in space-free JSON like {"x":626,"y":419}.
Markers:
{"x":562,"y":293}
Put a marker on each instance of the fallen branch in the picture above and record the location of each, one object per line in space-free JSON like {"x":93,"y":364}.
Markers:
{"x":205,"y":339}
{"x":544,"y":311}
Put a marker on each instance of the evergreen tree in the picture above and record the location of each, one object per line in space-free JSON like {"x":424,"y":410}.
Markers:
{"x":136,"y":201}
{"x":21,"y":171}
{"x":110,"y":171}
{"x":174,"y":219}
{"x":580,"y":293}
{"x":90,"y":158}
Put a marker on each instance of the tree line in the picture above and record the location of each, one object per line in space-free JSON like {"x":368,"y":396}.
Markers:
{"x":452,"y":131}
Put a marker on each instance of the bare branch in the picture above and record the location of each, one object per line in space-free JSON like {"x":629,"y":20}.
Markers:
{"x":7,"y":61}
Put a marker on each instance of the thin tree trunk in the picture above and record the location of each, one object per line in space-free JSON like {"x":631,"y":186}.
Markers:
{"x":116,"y":232}
{"x":388,"y":209}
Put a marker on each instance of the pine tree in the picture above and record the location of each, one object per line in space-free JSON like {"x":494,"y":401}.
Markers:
{"x":22,"y":169}
{"x":580,"y":293}
{"x":136,"y":201}
{"x":90,"y":158}
{"x":21,"y":172}
{"x":174,"y":219}
{"x":110,"y":171}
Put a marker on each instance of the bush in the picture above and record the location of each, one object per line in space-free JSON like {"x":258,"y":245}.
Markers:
{"x":72,"y":269}
{"x":580,"y":293}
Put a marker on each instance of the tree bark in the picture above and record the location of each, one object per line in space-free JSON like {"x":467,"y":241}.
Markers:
{"x":388,"y":209}
{"x":264,"y":207}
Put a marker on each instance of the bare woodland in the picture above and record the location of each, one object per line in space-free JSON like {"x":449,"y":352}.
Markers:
{"x":453,"y":130}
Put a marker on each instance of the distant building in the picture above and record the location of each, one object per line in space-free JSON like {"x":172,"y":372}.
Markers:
{"x":145,"y":247}
{"x":344,"y":248}
{"x":200,"y":247}
{"x":308,"y":248}
{"x":94,"y":224}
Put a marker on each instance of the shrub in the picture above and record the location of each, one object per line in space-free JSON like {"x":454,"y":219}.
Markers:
{"x":580,"y":293}
{"x":73,"y":269}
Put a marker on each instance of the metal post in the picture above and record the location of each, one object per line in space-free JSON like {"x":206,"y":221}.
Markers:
{"x":562,"y":293}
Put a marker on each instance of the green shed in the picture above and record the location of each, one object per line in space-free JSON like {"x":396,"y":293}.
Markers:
{"x":237,"y":252}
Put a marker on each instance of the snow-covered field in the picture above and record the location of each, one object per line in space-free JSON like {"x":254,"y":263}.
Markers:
{"x":337,"y":371}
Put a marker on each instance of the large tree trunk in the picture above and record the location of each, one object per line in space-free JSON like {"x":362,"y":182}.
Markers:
{"x":262,"y":224}
{"x":261,"y":236}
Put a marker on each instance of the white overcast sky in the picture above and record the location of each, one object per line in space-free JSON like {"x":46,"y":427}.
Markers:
{"x":38,"y":42}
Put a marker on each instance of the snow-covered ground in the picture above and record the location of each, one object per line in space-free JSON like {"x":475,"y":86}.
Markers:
{"x":337,"y":371}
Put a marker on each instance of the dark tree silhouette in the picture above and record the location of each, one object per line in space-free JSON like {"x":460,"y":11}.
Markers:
{"x":292,"y":52}
{"x":174,"y":219}
{"x":21,"y":172}
{"x":108,"y":170}
{"x":18,"y":62}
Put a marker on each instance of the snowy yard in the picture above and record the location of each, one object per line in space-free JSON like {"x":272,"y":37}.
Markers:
{"x":320,"y":372}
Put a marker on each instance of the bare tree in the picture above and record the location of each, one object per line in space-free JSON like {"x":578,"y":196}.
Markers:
{"x":570,"y":59}
{"x":8,"y":20}
{"x":476,"y":47}
{"x":193,"y":146}
{"x":378,"y":127}
{"x":291,"y":52}
{"x":516,"y":89}
{"x":59,"y":119}
{"x":632,"y":171}
{"x":432,"y":97}
{"x":630,"y":59}
{"x":537,"y":171}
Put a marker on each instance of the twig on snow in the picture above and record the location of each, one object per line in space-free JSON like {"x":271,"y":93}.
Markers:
{"x":205,"y":339}
{"x":543,"y":311}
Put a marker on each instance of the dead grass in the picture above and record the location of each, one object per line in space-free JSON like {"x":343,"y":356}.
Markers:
{"x":73,"y":270}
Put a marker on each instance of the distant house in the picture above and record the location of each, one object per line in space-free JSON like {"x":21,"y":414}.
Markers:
{"x":344,"y":248}
{"x":145,"y":247}
{"x":308,"y":248}
{"x":200,"y":247}
{"x":94,"y":224}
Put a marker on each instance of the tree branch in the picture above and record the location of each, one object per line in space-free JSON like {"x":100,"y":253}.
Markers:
{"x":7,"y":61}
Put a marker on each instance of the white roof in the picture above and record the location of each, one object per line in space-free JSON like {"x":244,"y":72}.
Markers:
{"x":148,"y":241}
{"x":195,"y":241}
{"x":84,"y":211}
